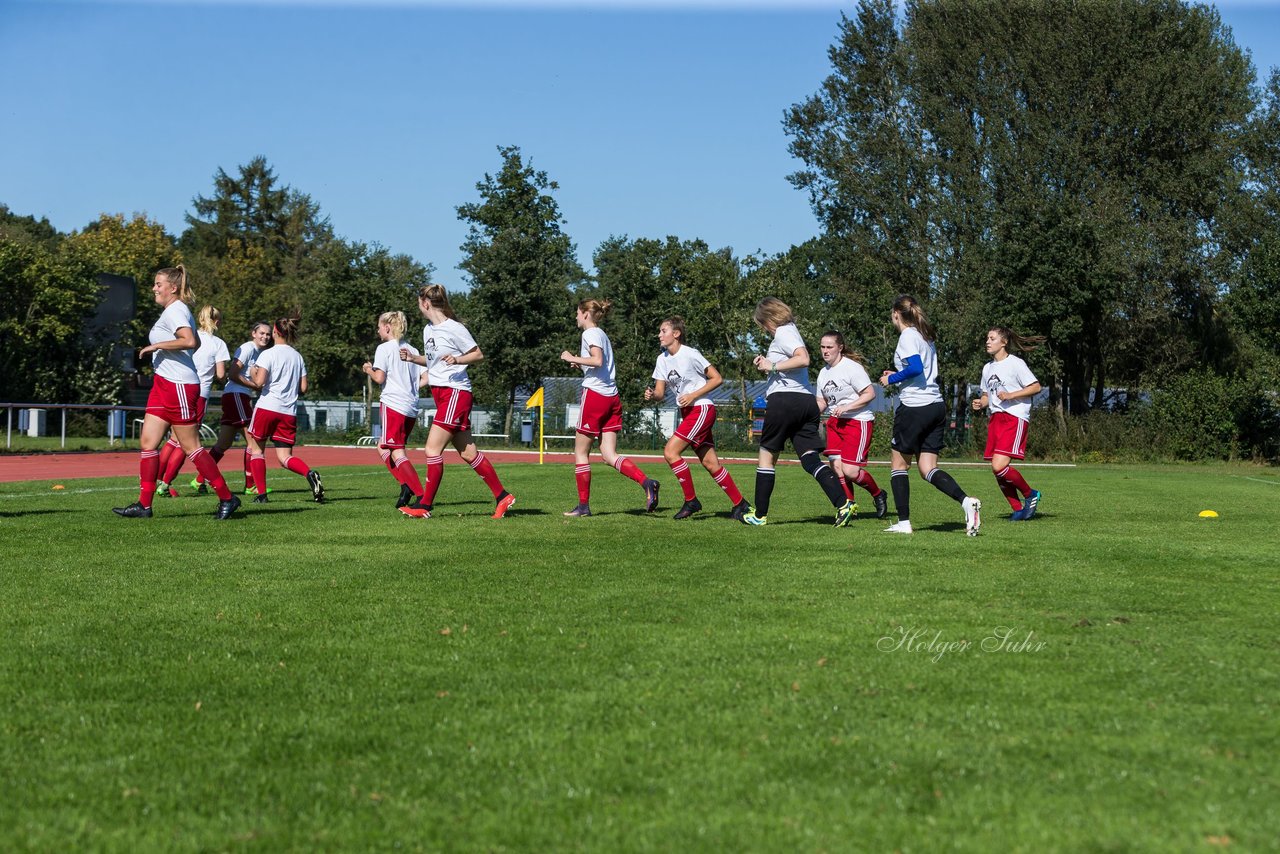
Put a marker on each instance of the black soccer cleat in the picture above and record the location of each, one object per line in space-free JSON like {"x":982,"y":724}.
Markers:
{"x":690,"y":507}
{"x":651,"y":495}
{"x":259,"y":499}
{"x":317,"y":488}
{"x":739,"y":510}
{"x":406,"y":495}
{"x":133,"y":511}
{"x":882,"y":504}
{"x":226,"y":508}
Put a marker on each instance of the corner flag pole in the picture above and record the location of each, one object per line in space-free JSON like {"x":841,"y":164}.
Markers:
{"x":536,"y":399}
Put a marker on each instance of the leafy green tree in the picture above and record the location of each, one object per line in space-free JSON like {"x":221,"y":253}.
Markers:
{"x":523,"y":272}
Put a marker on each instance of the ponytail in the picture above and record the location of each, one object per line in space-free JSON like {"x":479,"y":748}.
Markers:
{"x":596,"y":308}
{"x":1014,"y":341}
{"x":287,"y":328}
{"x":177,"y":276}
{"x":436,"y":297}
{"x":913,"y":315}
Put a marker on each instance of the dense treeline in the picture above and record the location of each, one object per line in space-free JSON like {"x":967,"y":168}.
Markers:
{"x":1104,"y":175}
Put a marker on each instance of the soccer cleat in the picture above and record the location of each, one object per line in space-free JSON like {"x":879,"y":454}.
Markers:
{"x":406,"y":495}
{"x":752,"y":519}
{"x":317,"y":488}
{"x":504,"y":504}
{"x":253,"y":490}
{"x":166,"y":490}
{"x":1029,"y":505}
{"x":259,"y":499}
{"x":690,"y":507}
{"x":416,"y":512}
{"x":739,"y":510}
{"x":972,"y":515}
{"x":845,"y":513}
{"x":579,"y":511}
{"x":900,"y":527}
{"x":651,"y":495}
{"x":203,"y":489}
{"x":231,"y":505}
{"x":133,"y":511}
{"x":882,"y":504}
{"x":196,"y":484}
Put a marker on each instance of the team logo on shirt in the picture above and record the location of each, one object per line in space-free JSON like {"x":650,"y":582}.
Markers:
{"x":829,"y":390}
{"x":994,"y":384}
{"x":673,"y":377}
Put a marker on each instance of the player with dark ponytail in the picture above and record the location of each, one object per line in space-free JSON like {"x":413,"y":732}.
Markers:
{"x":1007,"y":388}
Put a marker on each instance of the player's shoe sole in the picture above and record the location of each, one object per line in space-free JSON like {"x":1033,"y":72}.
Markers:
{"x":317,"y":488}
{"x":972,"y":516}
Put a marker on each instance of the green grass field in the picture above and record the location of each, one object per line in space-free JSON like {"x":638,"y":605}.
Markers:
{"x":1102,"y":678}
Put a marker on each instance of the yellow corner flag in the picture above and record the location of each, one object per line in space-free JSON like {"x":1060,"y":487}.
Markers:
{"x":535,"y":399}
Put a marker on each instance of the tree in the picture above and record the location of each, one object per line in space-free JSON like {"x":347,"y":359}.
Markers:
{"x":523,"y":273}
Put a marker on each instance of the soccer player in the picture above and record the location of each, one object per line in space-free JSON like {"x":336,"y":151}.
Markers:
{"x":237,"y":399}
{"x":399,"y":379}
{"x":845,"y":393}
{"x":919,"y":417}
{"x":281,"y":374}
{"x":211,"y":361}
{"x":1007,"y":388}
{"x":692,"y":378}
{"x":172,"y":402}
{"x":447,"y":351}
{"x":600,"y":416}
{"x":791,"y":413}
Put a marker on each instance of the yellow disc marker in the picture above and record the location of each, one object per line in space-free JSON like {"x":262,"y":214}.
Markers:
{"x":1208,"y":514}
{"x":58,"y":486}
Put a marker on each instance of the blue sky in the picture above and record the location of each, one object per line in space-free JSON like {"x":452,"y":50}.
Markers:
{"x":656,"y":118}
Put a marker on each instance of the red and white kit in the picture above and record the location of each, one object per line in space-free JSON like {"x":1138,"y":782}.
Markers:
{"x":399,"y":392}
{"x":848,"y":434}
{"x":601,"y":406}
{"x":237,"y":398}
{"x":274,"y":417}
{"x":1007,"y":429}
{"x":177,"y":383}
{"x":685,"y":372}
{"x":450,"y":385}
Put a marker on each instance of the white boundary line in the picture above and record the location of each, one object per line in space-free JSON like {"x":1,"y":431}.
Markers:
{"x":1260,"y":480}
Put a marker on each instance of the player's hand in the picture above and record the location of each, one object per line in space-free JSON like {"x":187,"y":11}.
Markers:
{"x":449,"y":359}
{"x":977,"y":403}
{"x":1003,"y":395}
{"x":567,"y":356}
{"x":684,"y":400}
{"x":404,"y":354}
{"x":648,"y":393}
{"x":884,"y":378}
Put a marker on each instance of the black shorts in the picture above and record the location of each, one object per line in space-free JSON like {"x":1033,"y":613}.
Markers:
{"x":791,"y":415}
{"x":918,"y":429}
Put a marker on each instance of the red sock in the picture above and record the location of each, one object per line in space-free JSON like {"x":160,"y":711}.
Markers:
{"x":681,"y":471}
{"x":216,"y":455}
{"x":726,"y":483}
{"x":435,"y":471}
{"x":864,"y":479}
{"x":171,"y":460}
{"x":481,"y":466}
{"x":1006,"y":486}
{"x":203,"y":461}
{"x":629,"y":469}
{"x":408,"y":475}
{"x":582,"y":474}
{"x":1015,"y":477}
{"x":148,"y":471}
{"x":258,"y":469}
{"x":297,"y":466}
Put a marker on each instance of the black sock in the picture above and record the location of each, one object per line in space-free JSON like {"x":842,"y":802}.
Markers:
{"x":945,"y":484}
{"x":900,"y":481}
{"x":764,"y":490}
{"x":826,"y":478}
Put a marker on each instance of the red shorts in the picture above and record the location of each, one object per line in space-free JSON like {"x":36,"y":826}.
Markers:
{"x":1006,"y":436}
{"x":396,"y":427}
{"x":695,"y":425}
{"x":453,"y":408}
{"x":599,"y":414}
{"x":849,"y":439}
{"x":237,"y":409}
{"x":276,"y":426}
{"x":201,"y":405}
{"x":176,"y":403}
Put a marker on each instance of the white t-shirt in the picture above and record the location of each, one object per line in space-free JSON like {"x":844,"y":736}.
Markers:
{"x":285,"y":370}
{"x":844,"y":383}
{"x":1008,"y":374}
{"x":247,"y":355}
{"x":400,"y":389}
{"x":449,"y":338}
{"x":684,"y":372}
{"x":922,"y":389}
{"x":211,"y":351}
{"x":174,"y":365}
{"x":600,"y":380}
{"x":786,"y":341}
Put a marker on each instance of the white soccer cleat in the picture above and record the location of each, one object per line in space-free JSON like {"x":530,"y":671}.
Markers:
{"x":972,"y":516}
{"x":903,"y":527}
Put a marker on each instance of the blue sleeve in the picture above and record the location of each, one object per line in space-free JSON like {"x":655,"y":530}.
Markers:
{"x":913,"y":368}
